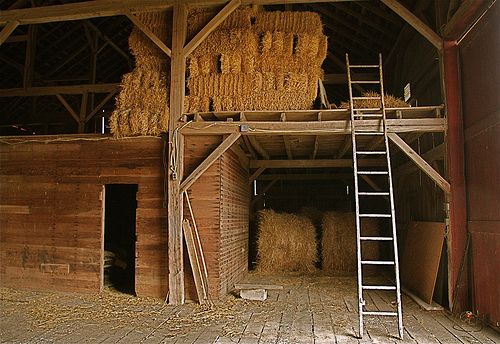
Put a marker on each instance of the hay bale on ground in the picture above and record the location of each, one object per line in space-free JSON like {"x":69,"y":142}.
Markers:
{"x":286,"y":243}
{"x":339,"y":242}
{"x":390,"y":101}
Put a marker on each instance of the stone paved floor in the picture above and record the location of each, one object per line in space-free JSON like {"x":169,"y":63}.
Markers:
{"x":307,"y":310}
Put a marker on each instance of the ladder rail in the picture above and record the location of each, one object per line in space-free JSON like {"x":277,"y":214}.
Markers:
{"x":393,"y":210}
{"x":356,"y":191}
{"x":355,"y":113}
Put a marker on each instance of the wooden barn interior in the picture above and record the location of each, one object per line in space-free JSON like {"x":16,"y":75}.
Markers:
{"x":144,"y":143}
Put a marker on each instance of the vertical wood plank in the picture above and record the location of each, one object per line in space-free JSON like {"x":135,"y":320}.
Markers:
{"x":177,"y":90}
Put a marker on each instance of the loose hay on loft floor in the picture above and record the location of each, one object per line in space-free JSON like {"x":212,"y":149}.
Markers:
{"x":339,"y":242}
{"x":390,"y":101}
{"x":285,"y":243}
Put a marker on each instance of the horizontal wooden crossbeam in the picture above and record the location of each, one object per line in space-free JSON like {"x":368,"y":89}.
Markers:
{"x":53,"y":90}
{"x":339,"y":127}
{"x":107,"y":8}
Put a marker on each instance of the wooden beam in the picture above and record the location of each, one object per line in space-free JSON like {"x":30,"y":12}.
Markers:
{"x":319,"y":163}
{"x":211,"y":26}
{"x":205,"y":165}
{"x":100,"y":105}
{"x":250,"y":148}
{"x":286,"y":140}
{"x":465,"y":16}
{"x":316,"y":142}
{"x":109,"y":41}
{"x":107,"y":8}
{"x":346,"y":145}
{"x":242,"y":157}
{"x":82,"y":10}
{"x":68,"y":107}
{"x":256,"y":174}
{"x":417,"y":159}
{"x":83,"y":113}
{"x":257,"y":146}
{"x":29,"y":59}
{"x":7,"y":30}
{"x":150,"y":34}
{"x":434,"y":154}
{"x":176,"y":154}
{"x":414,"y":21}
{"x":336,"y":127}
{"x":54,"y":90}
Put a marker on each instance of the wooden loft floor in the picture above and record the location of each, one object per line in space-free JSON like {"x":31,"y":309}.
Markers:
{"x":311,"y":134}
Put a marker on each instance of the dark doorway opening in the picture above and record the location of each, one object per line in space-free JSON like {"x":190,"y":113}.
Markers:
{"x":120,"y":237}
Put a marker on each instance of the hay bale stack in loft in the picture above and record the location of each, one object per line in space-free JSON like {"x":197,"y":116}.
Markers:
{"x":286,"y":243}
{"x":142,"y":104}
{"x":257,"y":61}
{"x":339,"y":242}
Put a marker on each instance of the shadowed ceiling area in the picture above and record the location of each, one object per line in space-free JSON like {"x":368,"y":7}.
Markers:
{"x":37,"y":59}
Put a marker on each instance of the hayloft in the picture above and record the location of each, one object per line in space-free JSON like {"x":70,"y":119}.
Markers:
{"x":249,"y":171}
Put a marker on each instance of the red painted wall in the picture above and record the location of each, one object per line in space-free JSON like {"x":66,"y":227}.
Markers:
{"x":480,"y":72}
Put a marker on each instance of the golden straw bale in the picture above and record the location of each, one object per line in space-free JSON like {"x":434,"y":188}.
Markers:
{"x":305,"y":22}
{"x":339,"y":242}
{"x":390,"y":101}
{"x":285,"y":243}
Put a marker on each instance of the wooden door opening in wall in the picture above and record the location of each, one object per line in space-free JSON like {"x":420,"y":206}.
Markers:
{"x":120,"y":237}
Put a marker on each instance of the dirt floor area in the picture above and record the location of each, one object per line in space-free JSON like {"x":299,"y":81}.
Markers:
{"x":314,"y":309}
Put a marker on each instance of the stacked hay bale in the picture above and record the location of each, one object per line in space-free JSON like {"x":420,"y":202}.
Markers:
{"x":256,"y":61}
{"x":339,"y":243}
{"x":286,"y":243}
{"x":390,"y":101}
{"x":142,"y":104}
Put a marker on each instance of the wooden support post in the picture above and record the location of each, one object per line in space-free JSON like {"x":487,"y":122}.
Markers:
{"x":417,"y":159}
{"x":414,"y":21}
{"x":205,"y":165}
{"x":211,"y":26}
{"x":150,"y":34}
{"x":29,"y":60}
{"x":286,"y":139}
{"x":83,"y":113}
{"x":316,"y":141}
{"x":7,"y":30}
{"x":175,"y":198}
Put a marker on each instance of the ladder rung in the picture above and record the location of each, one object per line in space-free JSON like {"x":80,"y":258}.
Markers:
{"x":368,"y":132}
{"x":374,"y":215}
{"x":364,"y":66}
{"x":376,"y":238}
{"x":387,"y":314}
{"x":365,"y":82}
{"x":379,"y":287}
{"x":368,"y":109}
{"x":371,"y":152}
{"x":360,"y":98}
{"x":377,"y":262}
{"x":372,"y":172}
{"x":370,"y":193}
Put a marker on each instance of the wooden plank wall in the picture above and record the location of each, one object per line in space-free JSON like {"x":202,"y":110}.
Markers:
{"x":220,"y":199}
{"x":234,"y":216}
{"x":51,"y":211}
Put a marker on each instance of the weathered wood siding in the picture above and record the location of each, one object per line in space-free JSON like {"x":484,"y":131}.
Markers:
{"x":51,"y":211}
